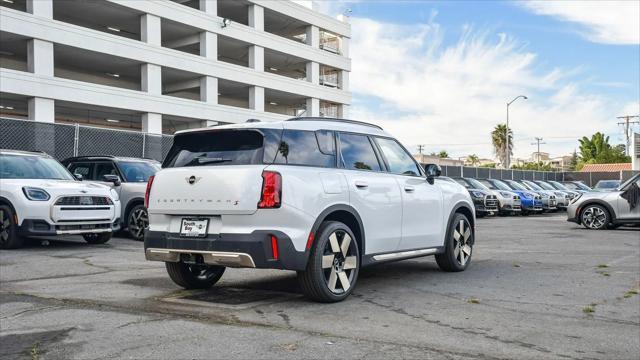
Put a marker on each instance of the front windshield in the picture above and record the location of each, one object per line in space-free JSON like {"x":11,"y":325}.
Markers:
{"x":488,"y":184}
{"x":477,"y":184}
{"x":532,"y":185}
{"x":545,"y":186}
{"x":137,"y":171}
{"x":607,"y":184}
{"x":462,"y":182}
{"x":500,"y":185}
{"x":32,"y":167}
{"x":558,"y":185}
{"x":515,"y":185}
{"x":580,"y":186}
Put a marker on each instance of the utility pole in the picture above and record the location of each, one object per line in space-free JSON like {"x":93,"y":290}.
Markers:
{"x":627,"y":122}
{"x":420,"y":148}
{"x":538,"y":142}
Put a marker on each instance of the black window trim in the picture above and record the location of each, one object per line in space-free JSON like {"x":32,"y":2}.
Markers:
{"x":115,"y":166}
{"x":420,"y":173}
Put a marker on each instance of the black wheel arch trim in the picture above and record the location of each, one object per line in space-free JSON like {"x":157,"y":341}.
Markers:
{"x":452,"y":214}
{"x":612,"y":213}
{"x":341,"y":207}
{"x":4,"y":200}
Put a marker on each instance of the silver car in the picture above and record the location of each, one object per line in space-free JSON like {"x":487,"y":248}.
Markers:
{"x":601,"y":210}
{"x":128,"y":176}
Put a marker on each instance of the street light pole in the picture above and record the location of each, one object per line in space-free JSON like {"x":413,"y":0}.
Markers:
{"x":507,"y":134}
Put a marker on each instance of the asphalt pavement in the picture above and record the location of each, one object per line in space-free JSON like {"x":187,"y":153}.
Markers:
{"x":538,"y":287}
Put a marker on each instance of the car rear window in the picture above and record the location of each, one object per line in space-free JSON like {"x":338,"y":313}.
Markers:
{"x":223,"y":147}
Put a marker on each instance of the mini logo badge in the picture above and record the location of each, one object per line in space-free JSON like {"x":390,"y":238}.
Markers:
{"x":193,"y":179}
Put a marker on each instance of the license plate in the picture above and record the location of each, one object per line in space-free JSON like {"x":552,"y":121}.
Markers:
{"x":194,"y":227}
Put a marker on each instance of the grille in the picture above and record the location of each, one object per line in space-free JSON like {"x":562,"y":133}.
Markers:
{"x":491,"y":201}
{"x":84,"y":200}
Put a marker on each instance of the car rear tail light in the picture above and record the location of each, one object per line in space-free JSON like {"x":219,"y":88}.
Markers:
{"x":146,"y":193}
{"x":271,"y":190}
{"x":274,"y":248}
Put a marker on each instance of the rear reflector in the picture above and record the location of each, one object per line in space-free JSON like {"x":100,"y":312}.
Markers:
{"x":274,"y":247}
{"x":271,"y":190}
{"x":310,"y":240}
{"x":146,"y":193}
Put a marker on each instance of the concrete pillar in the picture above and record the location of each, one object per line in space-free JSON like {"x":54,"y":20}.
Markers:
{"x":209,"y":6}
{"x":40,"y":57}
{"x":256,"y":98}
{"x":209,"y":89}
{"x":313,"y":36}
{"x":208,"y":123}
{"x":150,"y":29}
{"x":152,"y":123}
{"x":256,"y":17}
{"x":42,"y":8}
{"x":256,"y":57}
{"x":343,"y":111}
{"x":151,"y":75}
{"x":344,"y":46}
{"x":313,"y":72}
{"x":313,"y":107}
{"x":209,"y":45}
{"x":344,"y":80}
{"x":41,"y":109}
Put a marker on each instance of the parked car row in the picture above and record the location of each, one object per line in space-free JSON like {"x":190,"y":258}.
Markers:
{"x":91,"y":196}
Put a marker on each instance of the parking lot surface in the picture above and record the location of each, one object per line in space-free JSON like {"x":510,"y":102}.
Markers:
{"x":538,"y":287}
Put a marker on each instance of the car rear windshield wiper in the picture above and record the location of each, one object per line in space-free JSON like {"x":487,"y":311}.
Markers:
{"x":201,"y":160}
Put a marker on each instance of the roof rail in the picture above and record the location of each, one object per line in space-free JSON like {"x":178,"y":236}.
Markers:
{"x":310,"y":118}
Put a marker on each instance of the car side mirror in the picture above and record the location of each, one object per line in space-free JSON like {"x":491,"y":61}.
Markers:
{"x":78,"y":177}
{"x":112,"y":179}
{"x":432,"y":171}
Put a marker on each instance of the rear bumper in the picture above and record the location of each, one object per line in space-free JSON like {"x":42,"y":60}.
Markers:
{"x":36,"y":227}
{"x":233,"y":250}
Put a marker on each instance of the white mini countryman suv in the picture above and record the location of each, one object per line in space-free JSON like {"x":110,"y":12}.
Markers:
{"x":323,"y":197}
{"x":40,"y":197}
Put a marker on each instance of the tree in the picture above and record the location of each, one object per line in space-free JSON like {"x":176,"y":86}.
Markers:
{"x":573,"y":163}
{"x":473,"y":159}
{"x":443,"y":154}
{"x":538,"y":166}
{"x":597,"y":150}
{"x":499,"y":141}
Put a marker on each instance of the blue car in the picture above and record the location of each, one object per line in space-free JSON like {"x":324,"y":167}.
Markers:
{"x":530,"y":201}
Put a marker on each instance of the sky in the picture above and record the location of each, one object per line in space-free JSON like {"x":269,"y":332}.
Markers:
{"x":439,"y":73}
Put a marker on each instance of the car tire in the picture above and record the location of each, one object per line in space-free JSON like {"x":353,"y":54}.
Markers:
{"x":9,"y":238}
{"x":595,"y":217}
{"x":194,"y":276}
{"x":137,"y":222}
{"x":97,"y":238}
{"x":334,"y":264}
{"x":458,"y":246}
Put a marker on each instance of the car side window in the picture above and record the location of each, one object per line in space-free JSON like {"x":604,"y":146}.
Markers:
{"x":356,"y":153}
{"x":104,"y":168}
{"x":83,"y":169}
{"x":399,"y":161}
{"x":310,"y":148}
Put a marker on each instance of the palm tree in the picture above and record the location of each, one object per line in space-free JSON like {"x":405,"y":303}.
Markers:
{"x":499,"y":141}
{"x":473,"y":159}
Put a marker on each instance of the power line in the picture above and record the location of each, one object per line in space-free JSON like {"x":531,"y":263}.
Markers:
{"x":627,"y":133}
{"x":538,"y":142}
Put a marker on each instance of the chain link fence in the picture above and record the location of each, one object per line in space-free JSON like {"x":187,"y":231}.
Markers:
{"x":66,"y":140}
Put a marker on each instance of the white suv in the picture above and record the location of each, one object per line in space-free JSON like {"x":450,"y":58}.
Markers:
{"x":39,"y":197}
{"x":323,"y":197}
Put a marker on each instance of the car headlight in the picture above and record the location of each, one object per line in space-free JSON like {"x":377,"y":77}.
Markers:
{"x":35,"y":194}
{"x":114,"y":195}
{"x":477,"y":194}
{"x":505,"y":195}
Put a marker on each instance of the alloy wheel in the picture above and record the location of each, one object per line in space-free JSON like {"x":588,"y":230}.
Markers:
{"x":339,"y":262}
{"x":138,"y":222}
{"x":594,"y":217}
{"x":462,"y":246}
{"x":5,"y":226}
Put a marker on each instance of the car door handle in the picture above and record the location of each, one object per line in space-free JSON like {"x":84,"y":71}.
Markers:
{"x":361,"y":185}
{"x":409,"y":189}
